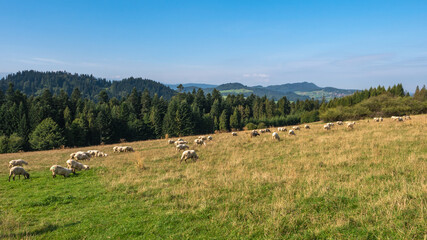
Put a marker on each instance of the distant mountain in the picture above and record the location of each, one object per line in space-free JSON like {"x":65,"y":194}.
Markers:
{"x":295,"y":87}
{"x":34,"y":82}
{"x":192,"y":85}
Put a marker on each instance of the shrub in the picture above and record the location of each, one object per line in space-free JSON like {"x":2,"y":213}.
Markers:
{"x":16,"y":143}
{"x":250,"y":126}
{"x":261,"y":125}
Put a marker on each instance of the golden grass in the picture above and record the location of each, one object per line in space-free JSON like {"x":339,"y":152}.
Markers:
{"x":380,"y":167}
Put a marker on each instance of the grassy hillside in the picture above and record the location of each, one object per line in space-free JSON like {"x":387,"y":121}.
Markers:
{"x":369,"y":182}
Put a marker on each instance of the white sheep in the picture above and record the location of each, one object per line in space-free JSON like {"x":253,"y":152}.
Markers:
{"x":262,"y":130}
{"x":327,"y":127}
{"x":18,"y":162}
{"x":93,"y":153}
{"x":275,"y":136}
{"x":180,"y":139}
{"x":291,"y":132}
{"x":101,"y":154}
{"x":59,"y":170}
{"x":407,"y":117}
{"x":306,"y":126}
{"x":376,"y":119}
{"x":381,"y":119}
{"x":74,"y":165}
{"x":171,"y":141}
{"x":210,"y":138}
{"x":267,"y":130}
{"x":234,"y":134}
{"x":189,"y":154}
{"x":350,"y":125}
{"x":177,"y":142}
{"x":295,"y":128}
{"x":282,"y":129}
{"x":339,"y":123}
{"x":180,"y":147}
{"x":18,"y":171}
{"x":80,"y":156}
{"x":199,"y":141}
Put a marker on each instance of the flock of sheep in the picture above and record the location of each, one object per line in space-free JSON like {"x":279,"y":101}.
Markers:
{"x":180,"y":144}
{"x":73,"y":164}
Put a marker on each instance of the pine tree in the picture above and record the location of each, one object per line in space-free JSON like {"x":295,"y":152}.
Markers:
{"x":47,"y":135}
{"x":235,"y":121}
{"x":184,"y":123}
{"x":223,"y":121}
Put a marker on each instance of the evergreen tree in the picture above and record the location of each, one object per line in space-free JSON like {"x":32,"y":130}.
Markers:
{"x":223,"y":121}
{"x":183,"y":119}
{"x":235,"y":121}
{"x":47,"y":135}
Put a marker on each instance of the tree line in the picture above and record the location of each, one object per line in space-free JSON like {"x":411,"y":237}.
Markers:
{"x":51,"y":120}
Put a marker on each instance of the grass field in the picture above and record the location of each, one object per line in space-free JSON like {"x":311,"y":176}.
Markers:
{"x":365,"y":183}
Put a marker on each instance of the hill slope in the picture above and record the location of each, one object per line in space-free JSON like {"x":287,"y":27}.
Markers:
{"x":34,"y":82}
{"x":338,"y":184}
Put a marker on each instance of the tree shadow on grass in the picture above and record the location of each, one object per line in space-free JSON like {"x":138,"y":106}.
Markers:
{"x":45,"y":229}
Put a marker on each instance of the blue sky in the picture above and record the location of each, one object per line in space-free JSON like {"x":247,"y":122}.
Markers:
{"x":346,"y":44}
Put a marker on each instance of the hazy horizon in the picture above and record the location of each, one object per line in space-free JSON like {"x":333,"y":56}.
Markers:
{"x":351,"y":45}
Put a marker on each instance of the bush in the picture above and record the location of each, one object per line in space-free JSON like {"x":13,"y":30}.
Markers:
{"x":261,"y":125}
{"x":16,"y":143}
{"x":250,"y":126}
{"x":47,"y":135}
{"x":312,"y":116}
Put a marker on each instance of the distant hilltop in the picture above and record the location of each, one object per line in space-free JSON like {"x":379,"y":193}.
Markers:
{"x":34,"y":82}
{"x":292,"y":91}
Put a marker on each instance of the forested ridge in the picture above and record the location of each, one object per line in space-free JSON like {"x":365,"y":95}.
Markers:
{"x":35,"y":82}
{"x":51,"y":120}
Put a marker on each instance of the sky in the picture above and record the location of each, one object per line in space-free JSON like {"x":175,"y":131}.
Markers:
{"x":344,"y":44}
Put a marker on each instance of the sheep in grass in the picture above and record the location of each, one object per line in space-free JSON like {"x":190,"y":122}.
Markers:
{"x":18,"y":171}
{"x":180,"y":142}
{"x":210,"y":138}
{"x":275,"y":136}
{"x":92,"y":153}
{"x":74,"y":165}
{"x":171,"y":141}
{"x":180,"y":147}
{"x":306,"y":126}
{"x":327,"y":127}
{"x":204,"y":138}
{"x":282,"y":129}
{"x":262,"y":131}
{"x":189,"y":154}
{"x":179,"y":139}
{"x":59,"y":170}
{"x":407,"y":117}
{"x":17,"y":162}
{"x":233,"y":134}
{"x":199,"y":141}
{"x":381,"y":119}
{"x":291,"y":132}
{"x":80,"y":156}
{"x":101,"y":154}
{"x":350,"y":125}
{"x":295,"y":128}
{"x":254,"y":133}
{"x":267,"y":130}
{"x":339,"y":123}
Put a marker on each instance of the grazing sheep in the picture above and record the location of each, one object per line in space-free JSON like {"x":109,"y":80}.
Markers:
{"x":210,"y":138}
{"x":180,"y":147}
{"x":18,"y":162}
{"x":306,"y":126}
{"x":376,"y":119}
{"x":339,"y":123}
{"x":267,"y":130}
{"x":59,"y":170}
{"x":171,"y":141}
{"x":407,"y":117}
{"x":92,"y":153}
{"x":381,"y":119}
{"x":282,"y":129}
{"x":262,"y":131}
{"x":101,"y":154}
{"x":123,"y":149}
{"x":234,"y":134}
{"x":74,"y":165}
{"x":327,"y":127}
{"x":295,"y":128}
{"x":199,"y":141}
{"x":350,"y":125}
{"x":291,"y":132}
{"x":115,"y":149}
{"x":204,"y":138}
{"x":254,"y":133}
{"x":395,"y":118}
{"x":275,"y":136}
{"x":80,"y":156}
{"x":180,"y":142}
{"x":18,"y":171}
{"x":189,"y":154}
{"x":400,"y":119}
{"x":179,"y":139}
